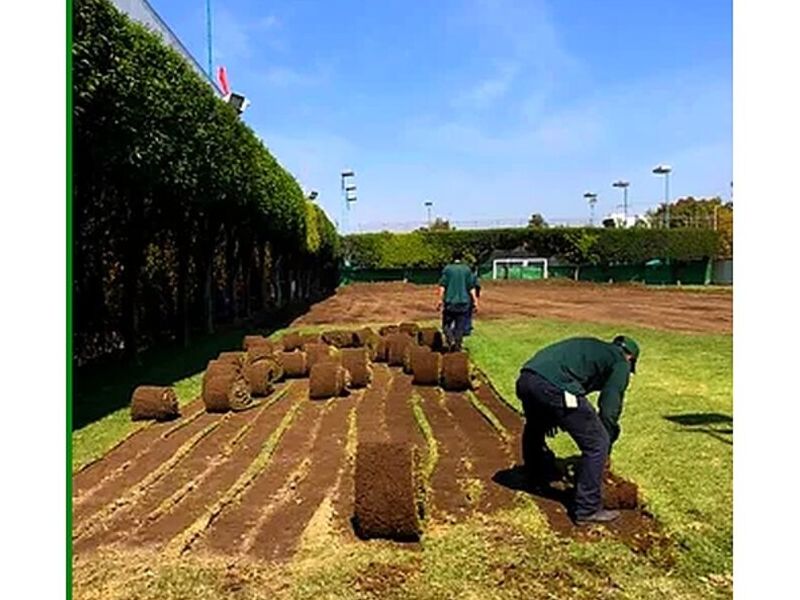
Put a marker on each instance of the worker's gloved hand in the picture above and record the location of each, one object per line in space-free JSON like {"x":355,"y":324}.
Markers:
{"x":551,"y":433}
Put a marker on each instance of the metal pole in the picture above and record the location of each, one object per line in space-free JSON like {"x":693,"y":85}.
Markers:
{"x":625,"y":203}
{"x":666,"y":196}
{"x":208,"y":38}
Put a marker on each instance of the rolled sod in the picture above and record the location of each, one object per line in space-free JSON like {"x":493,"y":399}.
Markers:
{"x":261,"y":375}
{"x":295,"y":364}
{"x":310,"y":338}
{"x":388,"y":330}
{"x":356,"y":361}
{"x":154,"y":402}
{"x":432,"y":338}
{"x":340,"y":339}
{"x":410,"y":356}
{"x":619,"y":493}
{"x":427,"y":368}
{"x":255,"y":340}
{"x":327,"y":380}
{"x":396,"y":347}
{"x":409,"y":328}
{"x":455,"y":372}
{"x":385,"y":502}
{"x":318,"y":353}
{"x":381,"y":350}
{"x":366,"y":338}
{"x":234,"y":358}
{"x":292,"y":341}
{"x":259,"y":352}
{"x":222,"y":388}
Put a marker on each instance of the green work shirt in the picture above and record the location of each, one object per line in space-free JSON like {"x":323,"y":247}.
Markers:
{"x":457,"y":281}
{"x":584,"y":365}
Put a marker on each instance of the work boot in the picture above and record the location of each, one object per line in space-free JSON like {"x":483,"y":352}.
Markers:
{"x":601,"y":516}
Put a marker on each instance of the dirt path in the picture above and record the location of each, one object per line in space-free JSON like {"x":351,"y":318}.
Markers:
{"x":620,"y":304}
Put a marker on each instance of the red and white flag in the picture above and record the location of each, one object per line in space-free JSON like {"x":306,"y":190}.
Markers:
{"x":222,"y":75}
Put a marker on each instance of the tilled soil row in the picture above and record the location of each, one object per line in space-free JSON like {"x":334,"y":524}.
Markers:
{"x":188,"y":476}
{"x":107,"y":468}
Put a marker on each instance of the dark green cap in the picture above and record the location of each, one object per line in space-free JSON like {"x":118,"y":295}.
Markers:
{"x":630,"y":346}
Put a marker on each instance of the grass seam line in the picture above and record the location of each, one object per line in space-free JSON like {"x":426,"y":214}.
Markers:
{"x":432,"y":457}
{"x":227,"y":450}
{"x":96,"y":520}
{"x":141,"y":427}
{"x":487,"y":414}
{"x":485,"y":379}
{"x":183,"y":541}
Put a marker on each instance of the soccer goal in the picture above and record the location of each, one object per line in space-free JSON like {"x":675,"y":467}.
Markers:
{"x":519,"y":268}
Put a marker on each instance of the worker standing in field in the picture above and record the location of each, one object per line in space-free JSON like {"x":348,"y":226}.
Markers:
{"x":456,"y":291}
{"x":476,"y":282}
{"x":552,"y":387}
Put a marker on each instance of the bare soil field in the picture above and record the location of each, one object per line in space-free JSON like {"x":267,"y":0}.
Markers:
{"x":706,"y":311}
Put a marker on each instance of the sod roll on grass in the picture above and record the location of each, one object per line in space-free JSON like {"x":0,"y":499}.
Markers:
{"x":339,"y":338}
{"x":310,"y":338}
{"x":250,"y":341}
{"x":427,"y":368}
{"x":292,"y":341}
{"x":318,"y":353}
{"x":356,"y":361}
{"x":381,"y":350}
{"x":367,"y":338}
{"x":294,"y":364}
{"x":259,"y":352}
{"x":387,"y":330}
{"x":456,"y":372}
{"x":234,"y":358}
{"x":222,"y":386}
{"x":154,"y":402}
{"x":261,"y":375}
{"x":409,"y":328}
{"x":432,"y":338}
{"x":385,"y":492}
{"x":396,"y":347}
{"x":411,"y":355}
{"x":327,"y":380}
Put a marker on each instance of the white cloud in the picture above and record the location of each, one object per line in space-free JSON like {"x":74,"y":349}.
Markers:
{"x":487,"y":91}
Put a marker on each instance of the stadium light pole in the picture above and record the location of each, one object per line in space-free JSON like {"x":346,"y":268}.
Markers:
{"x":346,"y":175}
{"x":624,"y":185}
{"x":591,"y":197}
{"x":313,"y":195}
{"x":208,"y":39}
{"x":664,"y":170}
{"x":429,"y":204}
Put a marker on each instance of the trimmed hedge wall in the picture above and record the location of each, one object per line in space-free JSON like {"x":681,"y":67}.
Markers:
{"x":182,"y":217}
{"x":585,"y":246}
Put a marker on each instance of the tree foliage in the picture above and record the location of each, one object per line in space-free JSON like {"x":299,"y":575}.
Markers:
{"x":182,"y":216}
{"x":701,"y":213}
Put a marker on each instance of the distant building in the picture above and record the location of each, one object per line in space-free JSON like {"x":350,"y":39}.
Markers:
{"x":141,"y":12}
{"x":618,"y":220}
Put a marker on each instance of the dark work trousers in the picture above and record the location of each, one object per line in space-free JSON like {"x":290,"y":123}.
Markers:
{"x":544,"y":408}
{"x":468,"y":320}
{"x":454,"y":321}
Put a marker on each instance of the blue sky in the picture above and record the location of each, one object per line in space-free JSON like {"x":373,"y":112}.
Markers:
{"x":492,"y":109}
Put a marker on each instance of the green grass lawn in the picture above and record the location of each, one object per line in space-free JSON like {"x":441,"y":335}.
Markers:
{"x":676,"y":443}
{"x":677,"y":428}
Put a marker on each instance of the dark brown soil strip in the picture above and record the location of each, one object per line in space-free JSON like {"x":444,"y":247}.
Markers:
{"x":278,"y":537}
{"x":230,"y":532}
{"x":400,"y":422}
{"x":146,"y":462}
{"x":450,"y":501}
{"x":197,"y":466}
{"x":212,"y":489}
{"x":490,"y":453}
{"x":120,"y":456}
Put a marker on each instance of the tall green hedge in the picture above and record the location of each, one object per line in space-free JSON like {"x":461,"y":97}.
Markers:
{"x":585,"y":246}
{"x":182,"y":217}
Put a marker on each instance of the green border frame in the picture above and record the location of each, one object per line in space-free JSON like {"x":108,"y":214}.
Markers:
{"x":68,"y":465}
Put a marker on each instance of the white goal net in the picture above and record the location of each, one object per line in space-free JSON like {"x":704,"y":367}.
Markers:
{"x":519,"y":268}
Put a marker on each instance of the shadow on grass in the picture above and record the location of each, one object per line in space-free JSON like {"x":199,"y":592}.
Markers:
{"x":101,"y":389}
{"x":517,"y":479}
{"x":717,"y":425}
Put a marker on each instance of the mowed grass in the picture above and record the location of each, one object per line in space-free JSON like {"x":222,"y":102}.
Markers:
{"x":683,"y":467}
{"x":677,"y":427}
